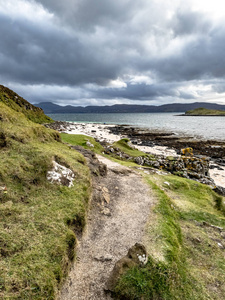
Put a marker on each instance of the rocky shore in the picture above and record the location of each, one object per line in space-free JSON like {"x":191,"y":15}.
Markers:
{"x":204,"y":160}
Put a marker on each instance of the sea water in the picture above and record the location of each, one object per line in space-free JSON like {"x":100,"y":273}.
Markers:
{"x":199,"y":127}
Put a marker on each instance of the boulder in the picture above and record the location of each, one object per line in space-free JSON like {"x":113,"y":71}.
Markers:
{"x":136,"y":256}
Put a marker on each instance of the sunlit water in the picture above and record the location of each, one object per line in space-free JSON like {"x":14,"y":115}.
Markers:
{"x":200,"y":127}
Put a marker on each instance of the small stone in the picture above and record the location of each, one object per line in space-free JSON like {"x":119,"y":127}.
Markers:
{"x":89,"y":144}
{"x":106,"y":212}
{"x":220,"y":245}
{"x":105,"y":194}
{"x":104,"y":258}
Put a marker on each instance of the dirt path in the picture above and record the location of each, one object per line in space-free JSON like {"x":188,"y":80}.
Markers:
{"x":115,"y":224}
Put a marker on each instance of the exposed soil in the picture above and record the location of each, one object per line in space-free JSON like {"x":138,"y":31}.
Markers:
{"x":118,"y":214}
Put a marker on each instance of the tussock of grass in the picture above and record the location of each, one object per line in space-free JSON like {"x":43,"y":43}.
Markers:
{"x":39,"y":220}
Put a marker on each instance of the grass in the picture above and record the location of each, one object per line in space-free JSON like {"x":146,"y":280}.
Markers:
{"x":39,"y":220}
{"x":185,"y":260}
{"x":81,"y":140}
{"x":124,"y":146}
{"x":17,"y":103}
{"x":205,"y":112}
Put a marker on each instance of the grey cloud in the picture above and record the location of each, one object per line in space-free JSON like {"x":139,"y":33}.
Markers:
{"x":200,"y":58}
{"x":31,"y":54}
{"x":189,"y":22}
{"x":87,"y":15}
{"x":144,"y":92}
{"x":95,"y":42}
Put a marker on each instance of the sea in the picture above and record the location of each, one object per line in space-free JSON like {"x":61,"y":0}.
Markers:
{"x":202,"y":127}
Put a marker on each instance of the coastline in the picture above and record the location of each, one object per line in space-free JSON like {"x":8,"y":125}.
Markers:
{"x":153,"y":142}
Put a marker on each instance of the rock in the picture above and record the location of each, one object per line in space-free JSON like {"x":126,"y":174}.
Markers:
{"x":136,"y":256}
{"x":96,"y":167}
{"x":104,"y":258}
{"x":187,"y":151}
{"x":105,"y":194}
{"x":106,"y":211}
{"x":220,"y":190}
{"x":89,"y":144}
{"x":60,"y":175}
{"x":139,"y":160}
{"x":216,"y":167}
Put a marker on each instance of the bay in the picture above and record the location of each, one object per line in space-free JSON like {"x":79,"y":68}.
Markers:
{"x":203,"y":127}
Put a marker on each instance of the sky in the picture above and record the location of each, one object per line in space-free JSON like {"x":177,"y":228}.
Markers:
{"x":105,"y":52}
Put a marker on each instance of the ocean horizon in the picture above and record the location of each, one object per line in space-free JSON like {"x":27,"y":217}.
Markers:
{"x":204,"y":127}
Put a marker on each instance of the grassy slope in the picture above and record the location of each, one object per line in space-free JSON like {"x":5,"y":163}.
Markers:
{"x":205,"y":112}
{"x":37,"y":219}
{"x":19,"y":104}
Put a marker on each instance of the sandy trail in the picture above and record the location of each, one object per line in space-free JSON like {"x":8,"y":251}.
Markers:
{"x":112,"y":229}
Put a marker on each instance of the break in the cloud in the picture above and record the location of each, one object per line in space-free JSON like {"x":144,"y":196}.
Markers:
{"x":84,"y":52}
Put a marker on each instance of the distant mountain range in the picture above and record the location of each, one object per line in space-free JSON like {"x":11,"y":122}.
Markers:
{"x":51,"y":108}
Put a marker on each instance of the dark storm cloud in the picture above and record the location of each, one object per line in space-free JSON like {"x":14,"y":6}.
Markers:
{"x":33,"y":54}
{"x":80,"y":47}
{"x":140,"y":91}
{"x":200,"y":58}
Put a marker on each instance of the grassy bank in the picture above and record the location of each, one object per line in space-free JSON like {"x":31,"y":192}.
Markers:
{"x":185,"y":244}
{"x":39,"y":220}
{"x":19,"y":104}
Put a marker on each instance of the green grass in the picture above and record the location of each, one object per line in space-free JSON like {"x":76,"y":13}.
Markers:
{"x":17,"y":103}
{"x":205,"y":112}
{"x":185,"y":261}
{"x":123,"y":145}
{"x":81,"y":140}
{"x":39,"y":220}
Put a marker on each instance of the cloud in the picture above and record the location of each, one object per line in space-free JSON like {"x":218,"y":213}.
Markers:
{"x":126,"y":50}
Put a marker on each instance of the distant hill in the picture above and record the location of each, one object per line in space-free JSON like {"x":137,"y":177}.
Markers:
{"x":204,"y":112}
{"x":17,"y":103}
{"x":51,"y":108}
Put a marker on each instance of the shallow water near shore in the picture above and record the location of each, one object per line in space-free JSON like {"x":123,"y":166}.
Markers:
{"x":200,"y":127}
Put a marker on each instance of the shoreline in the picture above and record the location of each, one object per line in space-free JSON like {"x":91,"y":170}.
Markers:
{"x":153,"y":142}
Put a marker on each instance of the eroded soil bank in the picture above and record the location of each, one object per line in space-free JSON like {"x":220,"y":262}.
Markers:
{"x":117,"y":218}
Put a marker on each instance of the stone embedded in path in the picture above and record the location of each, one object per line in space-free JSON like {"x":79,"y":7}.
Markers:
{"x":105,"y":194}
